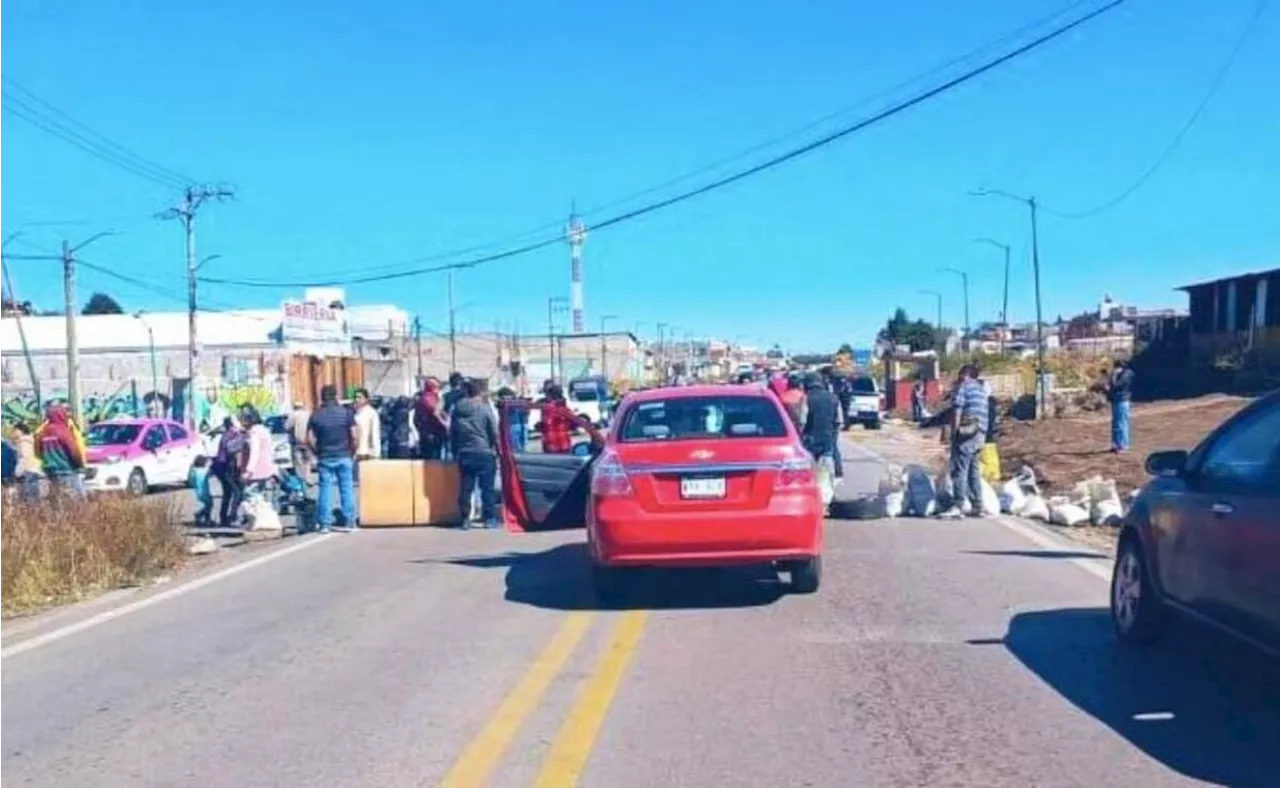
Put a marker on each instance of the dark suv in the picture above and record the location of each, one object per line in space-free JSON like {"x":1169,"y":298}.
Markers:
{"x":1203,"y":537}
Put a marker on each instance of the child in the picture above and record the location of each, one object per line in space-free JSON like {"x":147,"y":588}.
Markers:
{"x":199,"y":481}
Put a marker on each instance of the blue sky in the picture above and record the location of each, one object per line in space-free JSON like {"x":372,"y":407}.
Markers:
{"x":361,"y":137}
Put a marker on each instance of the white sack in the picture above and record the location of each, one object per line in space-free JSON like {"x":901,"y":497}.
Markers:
{"x":1035,"y":508}
{"x":990,"y":501}
{"x":1012,"y":499}
{"x":1068,"y":514}
{"x":893,"y":503}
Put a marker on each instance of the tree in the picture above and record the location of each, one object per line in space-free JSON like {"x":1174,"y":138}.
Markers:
{"x":919,"y":335}
{"x":845,"y":350}
{"x":102,"y":304}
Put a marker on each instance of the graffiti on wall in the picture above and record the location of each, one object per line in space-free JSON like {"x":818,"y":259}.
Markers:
{"x":221,"y":400}
{"x":125,"y":402}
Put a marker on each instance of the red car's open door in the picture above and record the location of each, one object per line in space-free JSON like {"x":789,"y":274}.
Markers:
{"x":540,"y":492}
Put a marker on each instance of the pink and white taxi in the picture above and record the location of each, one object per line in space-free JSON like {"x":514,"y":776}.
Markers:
{"x":135,"y":455}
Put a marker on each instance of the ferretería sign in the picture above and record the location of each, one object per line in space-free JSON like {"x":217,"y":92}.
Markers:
{"x":309,"y":323}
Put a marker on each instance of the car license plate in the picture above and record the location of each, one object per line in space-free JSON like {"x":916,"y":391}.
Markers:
{"x":702,"y":487}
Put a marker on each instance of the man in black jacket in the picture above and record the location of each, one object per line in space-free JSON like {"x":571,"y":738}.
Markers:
{"x":820,"y":430}
{"x":473,"y":437}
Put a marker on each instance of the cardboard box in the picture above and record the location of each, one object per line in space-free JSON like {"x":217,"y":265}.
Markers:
{"x":408,"y":492}
{"x":435,"y":492}
{"x":385,"y":494}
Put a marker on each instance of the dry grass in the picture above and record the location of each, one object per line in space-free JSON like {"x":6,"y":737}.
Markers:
{"x":61,"y":550}
{"x":1066,"y":451}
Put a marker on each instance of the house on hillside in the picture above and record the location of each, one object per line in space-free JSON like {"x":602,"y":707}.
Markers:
{"x":1235,"y":316}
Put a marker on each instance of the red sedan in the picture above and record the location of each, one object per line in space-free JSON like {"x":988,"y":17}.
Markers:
{"x":704,"y":476}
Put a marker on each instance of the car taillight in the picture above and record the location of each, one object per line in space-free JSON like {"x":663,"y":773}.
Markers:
{"x":796,"y":473}
{"x":609,"y":478}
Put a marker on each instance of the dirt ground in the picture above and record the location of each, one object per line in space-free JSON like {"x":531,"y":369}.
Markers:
{"x":1064,"y":452}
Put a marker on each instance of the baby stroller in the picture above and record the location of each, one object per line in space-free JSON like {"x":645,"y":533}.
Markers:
{"x":291,"y":498}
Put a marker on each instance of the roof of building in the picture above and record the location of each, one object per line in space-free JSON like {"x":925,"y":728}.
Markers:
{"x":129,"y":332}
{"x":1254,"y":274}
{"x":241,"y":328}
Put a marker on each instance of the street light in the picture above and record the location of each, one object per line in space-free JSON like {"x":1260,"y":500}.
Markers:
{"x":1004,"y":310}
{"x":964,"y":280}
{"x":207,"y":259}
{"x":151,"y":340}
{"x":1030,"y":202}
{"x":938,"y":296}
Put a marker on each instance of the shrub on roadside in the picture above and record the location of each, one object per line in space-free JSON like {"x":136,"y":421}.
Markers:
{"x":60,"y":550}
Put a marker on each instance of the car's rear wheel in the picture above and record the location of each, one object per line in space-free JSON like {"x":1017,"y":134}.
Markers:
{"x":874,"y":424}
{"x":137,"y":484}
{"x":1136,"y":610}
{"x":806,"y":575}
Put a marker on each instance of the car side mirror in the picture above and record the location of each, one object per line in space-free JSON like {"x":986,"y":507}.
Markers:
{"x":581,"y":449}
{"x":1167,"y":463}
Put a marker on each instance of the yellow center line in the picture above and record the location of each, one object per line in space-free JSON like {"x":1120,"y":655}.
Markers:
{"x":485,"y":751}
{"x":573,"y":744}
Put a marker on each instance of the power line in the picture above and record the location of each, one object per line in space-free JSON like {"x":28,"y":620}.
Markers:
{"x":27,"y":106}
{"x":1165,"y":154}
{"x":727,"y":180}
{"x":742,"y":154}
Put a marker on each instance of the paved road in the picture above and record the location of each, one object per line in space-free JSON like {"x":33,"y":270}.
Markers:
{"x":935,"y":654}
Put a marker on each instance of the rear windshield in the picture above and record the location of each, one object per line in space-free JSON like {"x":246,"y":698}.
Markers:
{"x":583,"y":393}
{"x":686,"y":418}
{"x":863,"y":386}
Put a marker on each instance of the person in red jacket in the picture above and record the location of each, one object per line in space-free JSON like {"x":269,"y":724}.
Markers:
{"x":559,"y":422}
{"x":430,"y":421}
{"x":61,"y":450}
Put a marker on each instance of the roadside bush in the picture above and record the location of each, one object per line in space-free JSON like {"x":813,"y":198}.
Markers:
{"x":63,"y":549}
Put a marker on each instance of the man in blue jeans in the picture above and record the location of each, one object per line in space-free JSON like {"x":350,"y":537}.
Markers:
{"x":473,"y":438}
{"x":333,"y":436}
{"x":1119,"y":388}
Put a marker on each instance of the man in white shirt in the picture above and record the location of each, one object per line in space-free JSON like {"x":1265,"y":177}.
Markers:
{"x":369,"y":428}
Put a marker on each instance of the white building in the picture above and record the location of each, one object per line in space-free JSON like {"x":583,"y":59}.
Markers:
{"x":264,"y":357}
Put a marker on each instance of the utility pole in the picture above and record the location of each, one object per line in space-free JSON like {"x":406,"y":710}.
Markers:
{"x":22,"y":333}
{"x":662,"y":352}
{"x":417,"y":341}
{"x":964,"y":281}
{"x":185,"y":211}
{"x":1004,"y":308}
{"x":576,"y":233}
{"x":1041,"y":383}
{"x":68,"y":260}
{"x":73,"y":342}
{"x":604,"y":344}
{"x":554,"y":304}
{"x":453,"y":329}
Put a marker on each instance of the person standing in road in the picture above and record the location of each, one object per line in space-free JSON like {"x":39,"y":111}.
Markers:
{"x":456,"y":393}
{"x":917,"y":401}
{"x":821,"y":430}
{"x":260,"y":467}
{"x":794,"y":401}
{"x":558,"y":422}
{"x":369,"y":445}
{"x":29,"y":468}
{"x":1119,"y":391}
{"x":430,"y":421}
{"x":227,"y":466}
{"x":296,"y":425}
{"x":473,"y":438}
{"x":61,"y":451}
{"x":968,"y":435}
{"x":517,"y":418}
{"x":822,"y":414}
{"x":333,"y":436}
